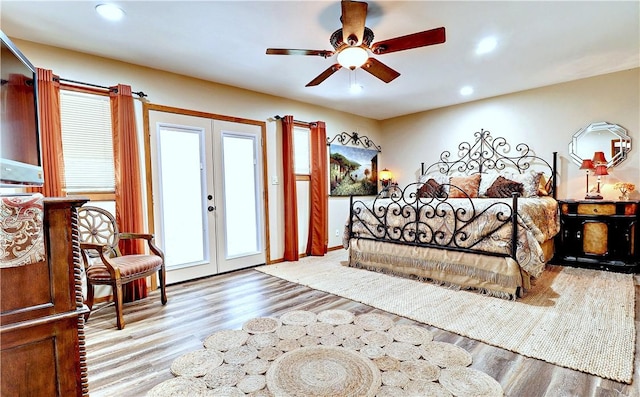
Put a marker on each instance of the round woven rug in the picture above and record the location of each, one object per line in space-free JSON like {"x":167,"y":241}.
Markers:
{"x":323,"y":371}
{"x":330,"y":353}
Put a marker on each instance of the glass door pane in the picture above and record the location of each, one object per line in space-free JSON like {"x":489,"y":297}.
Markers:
{"x":241,"y":217}
{"x":183,"y":196}
{"x":182,"y":190}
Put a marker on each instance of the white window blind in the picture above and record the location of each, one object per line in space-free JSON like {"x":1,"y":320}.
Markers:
{"x":301,"y":151}
{"x":87,"y":142}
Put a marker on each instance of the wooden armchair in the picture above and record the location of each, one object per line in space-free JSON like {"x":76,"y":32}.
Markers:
{"x":104,"y":263}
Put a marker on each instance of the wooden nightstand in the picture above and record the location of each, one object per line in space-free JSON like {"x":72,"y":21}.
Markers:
{"x":599,"y":234}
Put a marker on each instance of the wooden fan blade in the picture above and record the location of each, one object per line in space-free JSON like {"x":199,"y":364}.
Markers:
{"x":354,"y":14}
{"x":415,"y":40}
{"x":324,"y":75}
{"x":380,"y":70}
{"x":289,"y":51}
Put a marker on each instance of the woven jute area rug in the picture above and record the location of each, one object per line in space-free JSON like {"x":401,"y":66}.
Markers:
{"x":576,"y":318}
{"x":330,"y":353}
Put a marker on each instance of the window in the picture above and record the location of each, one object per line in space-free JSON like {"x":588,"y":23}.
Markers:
{"x":301,"y":151}
{"x":87,"y":144}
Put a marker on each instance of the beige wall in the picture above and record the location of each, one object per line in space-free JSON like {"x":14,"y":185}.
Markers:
{"x":545,"y":118}
{"x":174,"y":90}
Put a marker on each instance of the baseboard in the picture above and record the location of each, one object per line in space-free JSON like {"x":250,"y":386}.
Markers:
{"x":280,"y":260}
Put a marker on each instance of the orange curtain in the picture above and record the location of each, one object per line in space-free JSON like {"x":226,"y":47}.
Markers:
{"x":50,"y":135}
{"x":289,"y":185}
{"x":318,"y":233}
{"x":129,"y":214}
{"x":18,"y":113}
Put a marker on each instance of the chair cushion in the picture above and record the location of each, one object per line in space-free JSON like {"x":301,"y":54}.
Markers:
{"x":129,"y":265}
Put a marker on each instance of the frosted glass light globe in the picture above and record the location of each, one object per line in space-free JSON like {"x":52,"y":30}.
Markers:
{"x":352,"y":57}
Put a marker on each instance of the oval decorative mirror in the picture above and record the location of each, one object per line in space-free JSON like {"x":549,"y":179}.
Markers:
{"x":611,"y":139}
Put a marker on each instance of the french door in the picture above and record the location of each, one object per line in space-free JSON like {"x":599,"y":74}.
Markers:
{"x":207,"y":194}
{"x":239,"y":169}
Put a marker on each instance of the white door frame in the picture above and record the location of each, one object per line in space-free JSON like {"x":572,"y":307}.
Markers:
{"x":261,"y":154}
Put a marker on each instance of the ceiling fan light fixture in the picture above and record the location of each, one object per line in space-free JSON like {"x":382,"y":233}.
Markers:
{"x":352,"y":57}
{"x":352,"y":45}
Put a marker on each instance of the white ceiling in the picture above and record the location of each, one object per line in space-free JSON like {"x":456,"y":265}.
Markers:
{"x":539,"y":43}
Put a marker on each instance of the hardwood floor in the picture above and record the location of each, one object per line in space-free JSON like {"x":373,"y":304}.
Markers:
{"x":131,"y":361}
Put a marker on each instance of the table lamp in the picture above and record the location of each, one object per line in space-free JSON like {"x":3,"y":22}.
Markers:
{"x":587,"y":165}
{"x":601,"y":170}
{"x":600,"y":163}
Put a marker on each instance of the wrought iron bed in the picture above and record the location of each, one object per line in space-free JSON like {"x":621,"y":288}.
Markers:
{"x":464,"y":242}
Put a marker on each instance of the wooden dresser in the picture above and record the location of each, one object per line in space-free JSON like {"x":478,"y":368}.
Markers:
{"x":42,"y":314}
{"x":599,"y":234}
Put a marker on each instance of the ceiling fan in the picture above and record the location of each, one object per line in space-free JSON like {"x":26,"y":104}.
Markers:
{"x":352,"y":43}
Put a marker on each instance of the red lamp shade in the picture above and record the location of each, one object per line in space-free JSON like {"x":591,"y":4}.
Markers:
{"x":587,"y":165}
{"x":601,"y":170}
{"x":598,"y":158}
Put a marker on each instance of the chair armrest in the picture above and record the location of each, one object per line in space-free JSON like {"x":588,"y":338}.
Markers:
{"x":100,"y":248}
{"x":131,"y":236}
{"x":145,"y":236}
{"x":92,"y":246}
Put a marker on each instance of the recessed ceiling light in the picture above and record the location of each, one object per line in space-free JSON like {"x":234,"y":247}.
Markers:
{"x":110,"y":12}
{"x":466,"y":90}
{"x":486,"y":45}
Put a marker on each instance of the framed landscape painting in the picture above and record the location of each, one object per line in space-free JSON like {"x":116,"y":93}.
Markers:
{"x":353,"y":171}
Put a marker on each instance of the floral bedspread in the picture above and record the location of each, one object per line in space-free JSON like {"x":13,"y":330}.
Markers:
{"x":480,"y":224}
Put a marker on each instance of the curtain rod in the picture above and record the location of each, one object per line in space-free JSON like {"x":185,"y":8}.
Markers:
{"x":139,"y":93}
{"x":278,"y":117}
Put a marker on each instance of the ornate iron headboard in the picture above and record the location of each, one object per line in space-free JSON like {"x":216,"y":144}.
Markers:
{"x":487,"y":154}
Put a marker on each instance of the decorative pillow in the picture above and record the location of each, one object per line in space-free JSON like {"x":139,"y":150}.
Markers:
{"x":530,"y":182}
{"x":441,"y":179}
{"x":485,"y":183}
{"x":468,"y":184}
{"x":503,"y":187}
{"x":545,"y":186}
{"x":431,"y":189}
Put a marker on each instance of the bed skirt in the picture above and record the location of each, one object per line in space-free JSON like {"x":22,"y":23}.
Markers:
{"x":501,"y":277}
